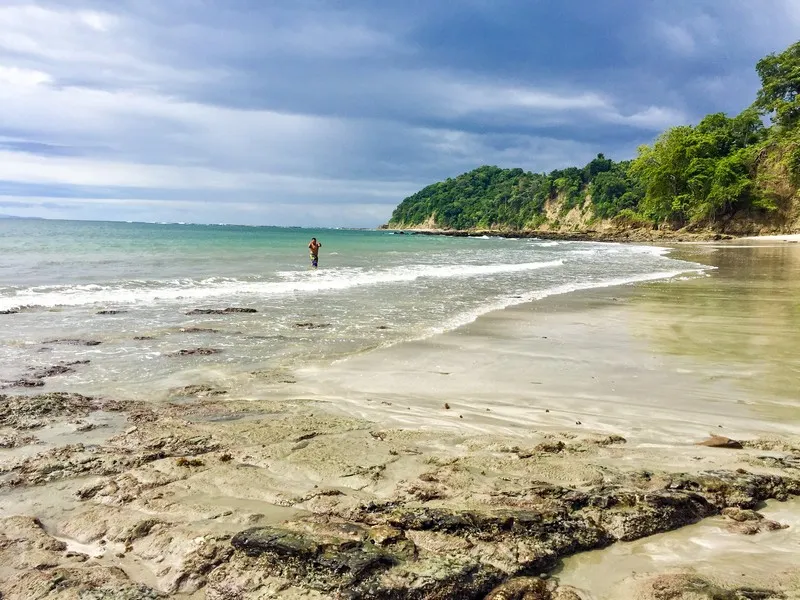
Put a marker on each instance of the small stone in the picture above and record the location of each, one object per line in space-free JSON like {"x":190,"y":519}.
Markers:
{"x":740,"y":514}
{"x":446,"y":406}
{"x":718,"y":441}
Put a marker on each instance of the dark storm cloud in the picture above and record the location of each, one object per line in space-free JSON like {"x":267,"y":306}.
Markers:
{"x":253,"y":112}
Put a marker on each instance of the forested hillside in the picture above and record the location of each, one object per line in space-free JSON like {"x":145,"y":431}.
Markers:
{"x":725,"y":173}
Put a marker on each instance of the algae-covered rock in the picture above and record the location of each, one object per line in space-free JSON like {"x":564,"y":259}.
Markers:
{"x":685,"y":586}
{"x":325,"y":562}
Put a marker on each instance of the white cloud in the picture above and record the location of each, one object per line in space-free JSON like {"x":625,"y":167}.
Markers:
{"x":17,"y":77}
{"x":93,"y":47}
{"x":468,"y":97}
{"x":98,"y":21}
{"x":61,"y":35}
{"x":653,"y":118}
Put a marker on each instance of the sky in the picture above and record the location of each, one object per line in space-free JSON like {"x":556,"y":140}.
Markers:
{"x":330,"y":112}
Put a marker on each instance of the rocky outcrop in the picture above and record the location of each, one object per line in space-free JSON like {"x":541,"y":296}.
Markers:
{"x":73,"y":342}
{"x":15,"y":440}
{"x":309,"y":325}
{"x":719,"y":441}
{"x":198,"y":390}
{"x":221,"y":311}
{"x":198,"y":330}
{"x":686,"y":586}
{"x":33,"y":412}
{"x":36,"y":376}
{"x":406,"y":550}
{"x":749,"y":522}
{"x":354,"y":511}
{"x":195,"y":352}
{"x":42,"y":567}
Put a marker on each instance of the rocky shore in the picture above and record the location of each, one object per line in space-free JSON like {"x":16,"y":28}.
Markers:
{"x":623,"y":234}
{"x":637,"y":235}
{"x":219,"y":498}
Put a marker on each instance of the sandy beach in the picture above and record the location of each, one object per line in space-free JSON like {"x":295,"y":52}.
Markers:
{"x":557,"y":438}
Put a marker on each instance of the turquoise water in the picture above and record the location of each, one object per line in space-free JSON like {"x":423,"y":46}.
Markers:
{"x":372,"y":288}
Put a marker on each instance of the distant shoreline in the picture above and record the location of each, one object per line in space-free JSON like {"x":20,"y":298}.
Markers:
{"x":628,"y":235}
{"x":633,"y":235}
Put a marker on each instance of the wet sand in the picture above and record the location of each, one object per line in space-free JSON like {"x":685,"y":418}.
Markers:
{"x":572,"y":422}
{"x":661,"y":362}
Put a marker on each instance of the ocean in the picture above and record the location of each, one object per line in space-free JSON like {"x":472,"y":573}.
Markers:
{"x":373,"y":288}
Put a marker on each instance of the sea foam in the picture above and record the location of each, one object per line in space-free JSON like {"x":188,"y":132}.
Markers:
{"x":151,"y":291}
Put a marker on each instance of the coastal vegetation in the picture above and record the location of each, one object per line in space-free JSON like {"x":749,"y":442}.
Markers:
{"x":721,"y":170}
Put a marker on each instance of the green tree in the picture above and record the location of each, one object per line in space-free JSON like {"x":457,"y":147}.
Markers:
{"x":780,"y":86}
{"x":663,"y":171}
{"x":601,"y":164}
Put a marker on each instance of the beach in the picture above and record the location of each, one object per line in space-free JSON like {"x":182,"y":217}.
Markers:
{"x":557,"y":436}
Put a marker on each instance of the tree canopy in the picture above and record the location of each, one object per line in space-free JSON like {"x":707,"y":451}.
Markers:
{"x":780,"y":86}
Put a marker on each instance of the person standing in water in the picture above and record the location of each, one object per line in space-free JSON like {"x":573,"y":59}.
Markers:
{"x":313,"y":248}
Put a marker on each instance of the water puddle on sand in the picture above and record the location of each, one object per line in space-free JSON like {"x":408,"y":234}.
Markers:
{"x":706,"y":549}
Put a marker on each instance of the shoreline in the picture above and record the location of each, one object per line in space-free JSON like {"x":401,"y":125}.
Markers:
{"x":430,"y":365}
{"x":641,"y":235}
{"x":532,"y":434}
